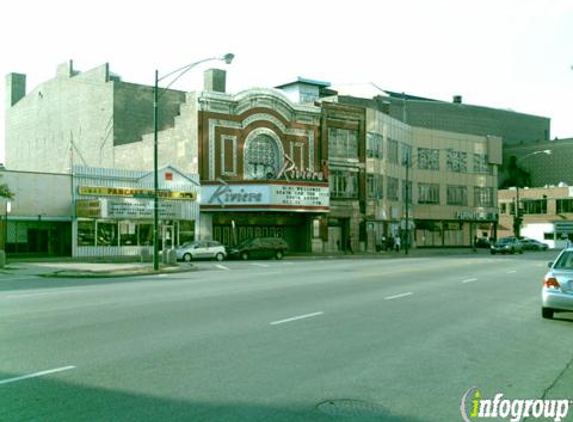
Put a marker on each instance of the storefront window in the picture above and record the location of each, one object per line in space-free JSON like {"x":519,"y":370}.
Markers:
{"x":86,"y":233}
{"x":145,"y":234}
{"x":127,"y":234}
{"x":186,"y":231}
{"x":106,"y":233}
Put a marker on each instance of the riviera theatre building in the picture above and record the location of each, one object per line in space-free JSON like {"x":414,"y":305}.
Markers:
{"x":261,"y":170}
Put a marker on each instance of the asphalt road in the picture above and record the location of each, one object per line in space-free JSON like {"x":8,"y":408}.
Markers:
{"x":318,"y":340}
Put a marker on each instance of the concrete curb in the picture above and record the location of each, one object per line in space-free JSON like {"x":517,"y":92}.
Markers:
{"x":115,"y":273}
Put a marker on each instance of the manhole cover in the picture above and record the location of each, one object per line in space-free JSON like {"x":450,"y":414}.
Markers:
{"x":352,"y":408}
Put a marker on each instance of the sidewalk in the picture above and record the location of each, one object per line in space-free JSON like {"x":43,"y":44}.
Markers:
{"x":68,"y":268}
{"x":413,"y":253}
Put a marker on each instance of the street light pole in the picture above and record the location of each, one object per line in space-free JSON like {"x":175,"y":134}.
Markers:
{"x":408,"y":198}
{"x":155,"y":177}
{"x":8,"y":210}
{"x":227,"y":58}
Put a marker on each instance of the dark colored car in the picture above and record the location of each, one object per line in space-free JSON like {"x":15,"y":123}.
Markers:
{"x":483,"y":242}
{"x":258,"y":248}
{"x":507,"y":245}
{"x":533,"y":245}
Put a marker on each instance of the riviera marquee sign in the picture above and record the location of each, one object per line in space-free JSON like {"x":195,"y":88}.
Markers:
{"x":293,"y":196}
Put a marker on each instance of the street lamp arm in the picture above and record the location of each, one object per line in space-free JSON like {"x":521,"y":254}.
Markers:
{"x":544,"y":151}
{"x":227,"y":58}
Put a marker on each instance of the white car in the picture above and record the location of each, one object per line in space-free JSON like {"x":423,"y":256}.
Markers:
{"x":201,"y":249}
{"x":557,"y":291}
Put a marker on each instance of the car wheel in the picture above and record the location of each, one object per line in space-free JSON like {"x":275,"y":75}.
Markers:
{"x":279,"y":255}
{"x":547,"y":313}
{"x":244,"y":256}
{"x":187,"y":257}
{"x":219,"y":256}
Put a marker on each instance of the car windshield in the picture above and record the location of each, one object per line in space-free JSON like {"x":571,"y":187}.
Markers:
{"x":245,"y":243}
{"x":188,"y":244}
{"x":503,"y":241}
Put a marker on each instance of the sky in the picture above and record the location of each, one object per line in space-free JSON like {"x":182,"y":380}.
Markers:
{"x":509,"y":54}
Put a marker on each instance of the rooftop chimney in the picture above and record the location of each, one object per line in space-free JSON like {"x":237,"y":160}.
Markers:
{"x":15,"y":88}
{"x":215,"y":80}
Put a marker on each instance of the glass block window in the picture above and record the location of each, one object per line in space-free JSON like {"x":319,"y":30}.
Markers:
{"x":262,"y":158}
{"x":428,"y":159}
{"x":457,"y":161}
{"x":428,"y":193}
{"x":342,"y":143}
{"x":457,"y":195}
{"x":480,"y":164}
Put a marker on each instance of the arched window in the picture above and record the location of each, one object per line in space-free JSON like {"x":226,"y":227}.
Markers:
{"x":262,"y":157}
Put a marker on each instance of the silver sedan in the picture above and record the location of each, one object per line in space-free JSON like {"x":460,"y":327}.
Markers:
{"x":557,"y":291}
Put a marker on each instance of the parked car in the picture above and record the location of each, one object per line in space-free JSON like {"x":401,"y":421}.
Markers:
{"x":203,"y":249}
{"x":263,"y":247}
{"x":533,"y":245}
{"x":507,"y":245}
{"x":557,"y":290}
{"x":483,"y":242}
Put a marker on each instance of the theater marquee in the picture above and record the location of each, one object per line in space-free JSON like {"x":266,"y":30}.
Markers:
{"x":283,"y":196}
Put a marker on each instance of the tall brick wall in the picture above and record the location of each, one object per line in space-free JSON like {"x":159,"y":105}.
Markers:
{"x":177,"y":145}
{"x":133,"y":111}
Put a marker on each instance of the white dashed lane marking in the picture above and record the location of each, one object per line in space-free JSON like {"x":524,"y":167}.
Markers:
{"x":296,"y":318}
{"x":469,"y":280}
{"x":398,"y":296}
{"x":36,"y":374}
